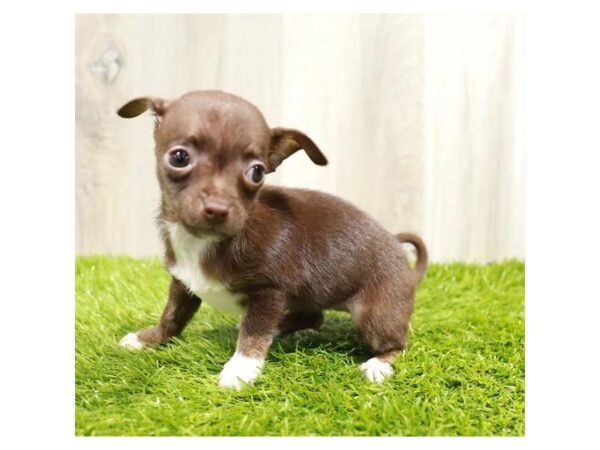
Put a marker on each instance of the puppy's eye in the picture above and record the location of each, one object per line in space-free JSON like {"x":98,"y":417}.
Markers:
{"x":179,"y":158}
{"x":255,"y":173}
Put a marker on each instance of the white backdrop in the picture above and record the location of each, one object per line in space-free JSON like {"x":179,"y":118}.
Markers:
{"x":419,"y":116}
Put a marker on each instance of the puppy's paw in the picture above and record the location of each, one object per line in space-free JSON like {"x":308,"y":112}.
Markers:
{"x":240,"y":370}
{"x":131,"y":341}
{"x":376,"y":370}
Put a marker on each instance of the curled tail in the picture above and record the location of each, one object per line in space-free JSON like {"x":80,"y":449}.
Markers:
{"x":415,"y":240}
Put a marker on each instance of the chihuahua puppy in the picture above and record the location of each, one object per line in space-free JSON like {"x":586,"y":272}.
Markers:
{"x":278,"y":256}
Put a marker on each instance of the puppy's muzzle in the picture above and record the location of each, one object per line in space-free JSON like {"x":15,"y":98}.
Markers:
{"x":216,"y":211}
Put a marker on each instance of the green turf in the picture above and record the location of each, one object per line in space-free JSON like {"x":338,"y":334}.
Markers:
{"x":463,"y":372}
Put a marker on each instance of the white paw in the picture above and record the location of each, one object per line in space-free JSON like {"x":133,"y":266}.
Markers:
{"x":132,"y":341}
{"x":240,"y":370}
{"x":376,"y":370}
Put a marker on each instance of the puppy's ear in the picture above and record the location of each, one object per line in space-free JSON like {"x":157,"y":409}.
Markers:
{"x":139,"y":105}
{"x":285,"y":142}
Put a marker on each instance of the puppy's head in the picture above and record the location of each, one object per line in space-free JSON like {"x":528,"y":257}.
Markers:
{"x":212,"y":151}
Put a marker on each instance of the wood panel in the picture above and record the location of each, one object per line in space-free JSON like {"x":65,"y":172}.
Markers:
{"x":418,"y":115}
{"x":473,"y":142}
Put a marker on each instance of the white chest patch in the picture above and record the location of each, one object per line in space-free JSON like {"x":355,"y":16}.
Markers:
{"x":190,"y":251}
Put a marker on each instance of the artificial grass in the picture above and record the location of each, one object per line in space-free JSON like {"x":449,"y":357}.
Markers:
{"x":463,"y":372}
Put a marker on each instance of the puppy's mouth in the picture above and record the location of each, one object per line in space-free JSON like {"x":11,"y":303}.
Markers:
{"x":212,"y":231}
{"x":203,"y":225}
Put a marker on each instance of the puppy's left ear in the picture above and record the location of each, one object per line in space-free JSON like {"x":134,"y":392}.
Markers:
{"x":285,"y":142}
{"x":139,"y":105}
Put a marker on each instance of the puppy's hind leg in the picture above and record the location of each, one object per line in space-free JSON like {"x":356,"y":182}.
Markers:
{"x":382,"y":317}
{"x":296,"y":321}
{"x":378,"y":368}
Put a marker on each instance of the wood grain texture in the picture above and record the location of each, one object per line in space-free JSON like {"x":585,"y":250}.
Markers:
{"x":420,"y":117}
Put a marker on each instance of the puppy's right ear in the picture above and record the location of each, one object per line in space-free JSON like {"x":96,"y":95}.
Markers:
{"x":139,"y":105}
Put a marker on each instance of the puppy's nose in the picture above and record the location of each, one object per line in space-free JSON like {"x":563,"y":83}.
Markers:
{"x":215,"y":210}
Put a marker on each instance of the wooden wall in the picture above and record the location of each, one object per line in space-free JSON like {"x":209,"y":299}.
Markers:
{"x":419,"y":116}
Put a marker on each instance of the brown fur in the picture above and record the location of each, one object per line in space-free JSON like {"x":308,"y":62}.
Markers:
{"x":291,"y":252}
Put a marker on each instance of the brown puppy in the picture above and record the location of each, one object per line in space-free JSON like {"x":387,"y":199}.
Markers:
{"x":278,"y":256}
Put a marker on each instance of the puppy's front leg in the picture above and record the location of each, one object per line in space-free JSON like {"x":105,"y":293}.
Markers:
{"x":181,"y":307}
{"x":264,"y":312}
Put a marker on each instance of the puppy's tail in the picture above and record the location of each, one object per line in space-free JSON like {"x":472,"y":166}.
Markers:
{"x":415,"y":240}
